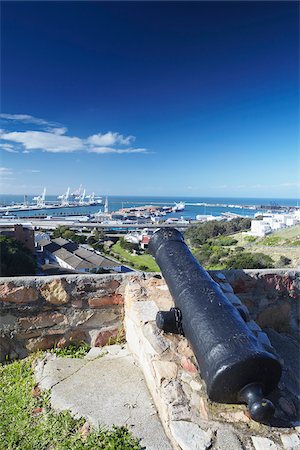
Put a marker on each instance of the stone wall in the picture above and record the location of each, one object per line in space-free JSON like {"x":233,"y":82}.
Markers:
{"x":271,"y":295}
{"x":38,"y":313}
{"x":190,"y":419}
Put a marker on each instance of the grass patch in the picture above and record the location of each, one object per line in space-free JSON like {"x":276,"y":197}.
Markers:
{"x":141,"y":262}
{"x":72,"y":350}
{"x":295,"y":243}
{"x":271,"y":240}
{"x":250,"y":238}
{"x":27,"y":422}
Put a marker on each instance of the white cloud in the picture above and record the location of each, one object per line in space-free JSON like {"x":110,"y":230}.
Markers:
{"x":26,"y":118}
{"x":103,"y":150}
{"x":48,"y":142}
{"x":109,"y":139}
{"x":54,"y":139}
{"x":8,"y":148}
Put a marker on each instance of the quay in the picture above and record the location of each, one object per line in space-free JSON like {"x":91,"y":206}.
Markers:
{"x":52,"y":224}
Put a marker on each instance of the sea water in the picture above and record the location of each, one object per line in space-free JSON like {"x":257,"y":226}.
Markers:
{"x":213,"y":205}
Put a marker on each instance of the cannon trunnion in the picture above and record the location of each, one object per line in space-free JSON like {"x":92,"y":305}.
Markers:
{"x":232,"y":362}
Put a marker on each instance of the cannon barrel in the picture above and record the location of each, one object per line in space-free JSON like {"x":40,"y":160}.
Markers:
{"x":234,"y":365}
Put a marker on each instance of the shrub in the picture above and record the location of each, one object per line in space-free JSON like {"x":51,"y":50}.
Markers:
{"x":284,"y":261}
{"x":247,"y":260}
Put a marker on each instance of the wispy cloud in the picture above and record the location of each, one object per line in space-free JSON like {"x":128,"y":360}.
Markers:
{"x":8,"y":148}
{"x":6,"y":174}
{"x":258,"y":186}
{"x":26,"y":118}
{"x":54,"y":139}
{"x":103,"y":150}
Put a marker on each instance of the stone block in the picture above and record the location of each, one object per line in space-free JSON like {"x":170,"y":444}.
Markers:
{"x":190,"y":436}
{"x":93,"y":319}
{"x":9,"y":293}
{"x":42,"y":343}
{"x":195,"y":385}
{"x":155,"y":338}
{"x":276,"y":317}
{"x":172,"y":393}
{"x":43,"y":320}
{"x":105,"y":336}
{"x":290,"y":441}
{"x":187,"y":365}
{"x":165,"y":370}
{"x":76,"y":336}
{"x":227,"y":440}
{"x":142,"y":312}
{"x":261,"y":443}
{"x":94,"y":353}
{"x":184,"y":348}
{"x":55,"y":292}
{"x":113,"y":299}
{"x":179,"y":412}
{"x":76,"y":303}
{"x":186,"y":377}
{"x":7,"y":322}
{"x":235,"y":416}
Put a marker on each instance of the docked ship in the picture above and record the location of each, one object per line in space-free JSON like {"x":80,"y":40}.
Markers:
{"x":180,"y":206}
{"x":65,"y":200}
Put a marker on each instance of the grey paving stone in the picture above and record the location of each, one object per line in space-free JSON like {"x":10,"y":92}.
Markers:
{"x":107,"y":391}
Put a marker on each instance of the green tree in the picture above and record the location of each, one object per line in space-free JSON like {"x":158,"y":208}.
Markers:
{"x":59,"y":231}
{"x":15,"y":258}
{"x":128,"y":245}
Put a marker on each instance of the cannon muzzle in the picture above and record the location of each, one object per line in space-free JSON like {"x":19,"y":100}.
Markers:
{"x":233,"y":363}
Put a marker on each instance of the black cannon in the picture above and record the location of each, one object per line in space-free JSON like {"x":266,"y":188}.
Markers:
{"x":234,"y":365}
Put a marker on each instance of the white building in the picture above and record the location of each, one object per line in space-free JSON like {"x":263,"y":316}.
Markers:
{"x":273,"y":222}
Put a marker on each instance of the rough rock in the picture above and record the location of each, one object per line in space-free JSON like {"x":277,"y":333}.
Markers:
{"x":155,"y":338}
{"x":42,"y":343}
{"x":114,"y":299}
{"x":276,"y":317}
{"x":43,"y":320}
{"x":104,"y":336}
{"x":189,"y":436}
{"x":165,"y":370}
{"x":55,"y":292}
{"x":143,"y":312}
{"x":227,"y":440}
{"x":261,"y":443}
{"x":21,"y":294}
{"x":290,"y":441}
{"x":187,"y":364}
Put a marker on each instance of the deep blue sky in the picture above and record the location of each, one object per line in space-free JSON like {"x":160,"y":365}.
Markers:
{"x":209,"y":90}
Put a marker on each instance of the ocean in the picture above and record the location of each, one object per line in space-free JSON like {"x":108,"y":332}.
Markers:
{"x":212,"y":207}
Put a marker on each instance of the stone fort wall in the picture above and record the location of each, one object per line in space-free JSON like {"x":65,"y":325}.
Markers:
{"x":40,"y":312}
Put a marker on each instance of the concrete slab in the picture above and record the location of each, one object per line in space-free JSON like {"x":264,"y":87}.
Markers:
{"x":109,"y":390}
